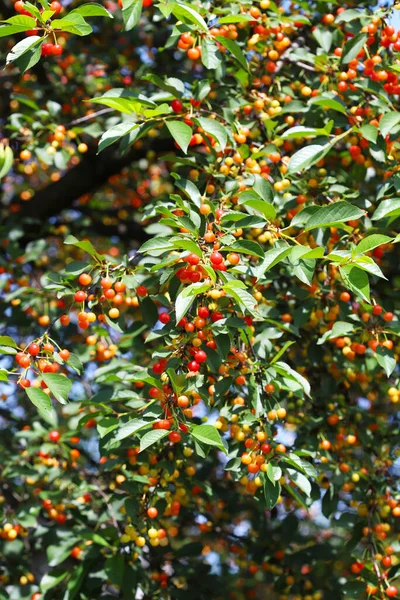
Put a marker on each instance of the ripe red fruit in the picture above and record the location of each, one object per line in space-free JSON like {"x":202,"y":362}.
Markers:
{"x":386,"y":561}
{"x":345,"y":296}
{"x":80,"y":296}
{"x":84,"y":279}
{"x":56,"y":6}
{"x":24,"y":361}
{"x":200,"y":356}
{"x":176,"y":106}
{"x":158,"y":368}
{"x":216,"y":316}
{"x":233,"y":258}
{"x":377,"y":310}
{"x":19,"y":6}
{"x":164,"y":318}
{"x":388,"y":316}
{"x":193,"y":366}
{"x":211,"y":344}
{"x":141,"y":290}
{"x":265,"y":448}
{"x":25,"y":383}
{"x":65,"y":354}
{"x":192,"y":259}
{"x":203,"y":312}
{"x":195,"y":277}
{"x":106,"y":283}
{"x":57,"y":50}
{"x":54,"y":435}
{"x":47,"y":49}
{"x":34,"y":349}
{"x":75,"y":552}
{"x":152,"y":512}
{"x":216,"y":258}
{"x":391,"y":591}
{"x":174,"y":437}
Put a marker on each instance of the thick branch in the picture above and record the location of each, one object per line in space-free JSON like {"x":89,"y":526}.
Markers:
{"x":92,"y":172}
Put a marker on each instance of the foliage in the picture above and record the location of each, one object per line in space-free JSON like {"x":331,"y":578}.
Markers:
{"x":200,"y":289}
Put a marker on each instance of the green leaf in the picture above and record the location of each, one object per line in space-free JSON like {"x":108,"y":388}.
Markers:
{"x":181,"y":133}
{"x":207,"y":434}
{"x":281,"y":351}
{"x":42,"y":403}
{"x":6,"y":340}
{"x":6,"y":160}
{"x":330,"y":103}
{"x":272,"y":258}
{"x":285,"y":370}
{"x":387,"y":208}
{"x":352,"y":47}
{"x":73,"y":23}
{"x":300,"y":480}
{"x":157,"y":246}
{"x":186,"y":297}
{"x":92,"y":9}
{"x":349,"y":15}
{"x":307,"y":156}
{"x":59,"y":386}
{"x":235,"y":19}
{"x":324,"y":38}
{"x":388,"y":122}
{"x":22,"y":20}
{"x":26,"y":53}
{"x":274,"y":473}
{"x":246,"y":247}
{"x":385,"y":360}
{"x":301,"y":465}
{"x":253,"y":201}
{"x":272,"y":491}
{"x":152,"y":437}
{"x":123,"y":101}
{"x":210,"y":55}
{"x":129,"y":428}
{"x":235,"y":49}
{"x":372,"y":241}
{"x":114,"y":566}
{"x":369,"y":132}
{"x":52,"y":579}
{"x":84,"y":245}
{"x":339,"y":329}
{"x":6,"y":30}
{"x":115,"y":133}
{"x":295,"y":495}
{"x":356,"y":280}
{"x":185,"y":12}
{"x":246,"y":301}
{"x":333,"y":214}
{"x":263,"y":188}
{"x":131,"y":11}
{"x":173,"y":86}
{"x":215,"y":129}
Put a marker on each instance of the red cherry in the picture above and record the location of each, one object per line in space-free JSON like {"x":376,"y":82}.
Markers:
{"x":386,"y":561}
{"x":203,"y":312}
{"x":80,"y":296}
{"x":192,"y":259}
{"x":216,"y":258}
{"x":391,"y":591}
{"x":164,"y":424}
{"x":388,"y":316}
{"x":200,"y":356}
{"x":158,"y":368}
{"x":195,"y":277}
{"x":176,"y":106}
{"x":47,"y":49}
{"x":141,"y":290}
{"x":182,"y":322}
{"x":217,"y":316}
{"x":65,"y":354}
{"x":34,"y":349}
{"x":265,"y":448}
{"x":377,"y":310}
{"x":24,"y":361}
{"x":56,"y":7}
{"x":193,"y":366}
{"x":146,"y":3}
{"x":152,"y":512}
{"x":19,"y":6}
{"x":174,"y":437}
{"x":212,"y":344}
{"x":54,"y":435}
{"x":57,"y":50}
{"x":164,"y":318}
